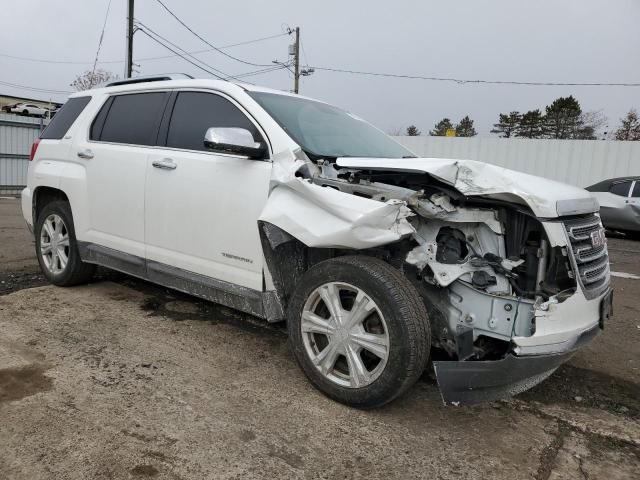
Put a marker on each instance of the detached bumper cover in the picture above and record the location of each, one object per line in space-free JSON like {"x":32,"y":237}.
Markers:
{"x":471,"y":382}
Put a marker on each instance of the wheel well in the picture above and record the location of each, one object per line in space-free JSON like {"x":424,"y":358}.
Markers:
{"x":288,"y":258}
{"x":43,"y":196}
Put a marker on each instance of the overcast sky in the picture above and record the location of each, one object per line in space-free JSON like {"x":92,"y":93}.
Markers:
{"x":545,"y":40}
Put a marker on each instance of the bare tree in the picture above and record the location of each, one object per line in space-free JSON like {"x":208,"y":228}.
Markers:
{"x":395,"y":131}
{"x":629,"y":128}
{"x":592,"y":125}
{"x":90,"y":79}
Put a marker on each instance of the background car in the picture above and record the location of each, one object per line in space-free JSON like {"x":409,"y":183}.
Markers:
{"x":619,"y":200}
{"x":29,"y":109}
{"x":7,"y":108}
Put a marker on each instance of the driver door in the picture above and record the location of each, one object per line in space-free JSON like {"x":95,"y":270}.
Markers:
{"x":202,"y":207}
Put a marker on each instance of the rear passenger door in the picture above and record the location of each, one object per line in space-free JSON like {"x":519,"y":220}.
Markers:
{"x":201,"y":214}
{"x":115,"y":159}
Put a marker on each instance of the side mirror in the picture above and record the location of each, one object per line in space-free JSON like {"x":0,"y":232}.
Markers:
{"x":234,"y":140}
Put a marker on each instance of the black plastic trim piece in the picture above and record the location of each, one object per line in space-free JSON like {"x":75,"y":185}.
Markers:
{"x":149,"y":78}
{"x":471,"y":382}
{"x":114,"y":259}
{"x":260,"y":304}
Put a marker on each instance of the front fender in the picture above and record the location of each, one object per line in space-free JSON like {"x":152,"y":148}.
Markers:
{"x":327,"y":218}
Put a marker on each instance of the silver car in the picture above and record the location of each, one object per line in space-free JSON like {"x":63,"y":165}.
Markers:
{"x":619,"y":200}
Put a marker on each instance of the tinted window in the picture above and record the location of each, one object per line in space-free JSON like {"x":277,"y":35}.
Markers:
{"x":133,"y":118}
{"x":621,"y":188}
{"x":636,"y":189}
{"x":195,"y":112}
{"x":65,"y":118}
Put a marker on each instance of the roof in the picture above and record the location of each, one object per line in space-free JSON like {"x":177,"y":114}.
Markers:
{"x":27,"y":100}
{"x":604,"y":185}
{"x":221,"y":85}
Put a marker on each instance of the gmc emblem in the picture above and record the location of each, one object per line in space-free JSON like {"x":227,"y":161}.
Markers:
{"x":598,"y":239}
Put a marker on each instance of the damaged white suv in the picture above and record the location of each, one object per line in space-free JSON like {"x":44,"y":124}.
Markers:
{"x":291,"y":209}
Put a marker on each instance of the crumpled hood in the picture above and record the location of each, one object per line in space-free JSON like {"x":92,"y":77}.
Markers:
{"x":546,"y":198}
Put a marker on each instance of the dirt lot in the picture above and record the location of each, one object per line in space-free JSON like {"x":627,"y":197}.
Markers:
{"x":123,"y":379}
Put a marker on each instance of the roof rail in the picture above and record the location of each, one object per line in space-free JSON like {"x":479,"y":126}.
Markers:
{"x":149,"y":78}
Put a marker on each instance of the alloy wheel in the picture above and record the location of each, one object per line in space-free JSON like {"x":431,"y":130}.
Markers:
{"x":54,"y":244}
{"x":345,"y":334}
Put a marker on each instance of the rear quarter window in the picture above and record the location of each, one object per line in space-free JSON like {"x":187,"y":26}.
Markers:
{"x":63,"y":120}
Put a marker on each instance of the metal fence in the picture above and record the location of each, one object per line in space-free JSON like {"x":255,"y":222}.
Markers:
{"x":16,"y":136}
{"x":577,"y":162}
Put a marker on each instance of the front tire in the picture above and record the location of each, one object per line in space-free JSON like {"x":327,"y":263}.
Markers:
{"x":57,"y":247}
{"x":359,"y":330}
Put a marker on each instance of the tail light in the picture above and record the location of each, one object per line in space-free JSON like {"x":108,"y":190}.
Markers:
{"x":34,"y":148}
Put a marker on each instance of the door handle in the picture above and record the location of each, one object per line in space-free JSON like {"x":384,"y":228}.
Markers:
{"x":86,"y":154}
{"x":165,"y":164}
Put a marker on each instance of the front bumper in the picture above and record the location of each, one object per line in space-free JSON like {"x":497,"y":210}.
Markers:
{"x":471,"y":382}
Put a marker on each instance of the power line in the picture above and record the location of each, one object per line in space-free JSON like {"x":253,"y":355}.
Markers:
{"x":35,"y":89}
{"x":479,"y":81}
{"x":207,"y":42}
{"x":144,"y":30}
{"x":143,"y":59}
{"x":147,"y":30}
{"x":259,"y":72}
{"x":207,"y":50}
{"x":104,"y":26}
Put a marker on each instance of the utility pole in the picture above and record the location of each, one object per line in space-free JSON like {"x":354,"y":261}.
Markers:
{"x":129,"y":62}
{"x":296,"y":62}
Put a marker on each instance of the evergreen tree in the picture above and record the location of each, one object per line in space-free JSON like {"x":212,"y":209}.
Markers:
{"x":465,"y":128}
{"x":507,"y":124}
{"x":629,"y":128}
{"x":412,"y":131}
{"x":530,"y":125}
{"x":563,"y":118}
{"x":440,"y":128}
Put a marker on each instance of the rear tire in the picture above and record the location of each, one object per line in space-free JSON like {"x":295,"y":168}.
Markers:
{"x":57,"y":247}
{"x":379,"y":345}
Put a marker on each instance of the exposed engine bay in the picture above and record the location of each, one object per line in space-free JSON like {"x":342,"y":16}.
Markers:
{"x":484,"y":265}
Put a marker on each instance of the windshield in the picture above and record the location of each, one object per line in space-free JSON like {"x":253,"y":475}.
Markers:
{"x":327,"y":131}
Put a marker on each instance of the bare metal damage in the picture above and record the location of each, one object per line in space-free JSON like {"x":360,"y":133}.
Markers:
{"x":332,"y":205}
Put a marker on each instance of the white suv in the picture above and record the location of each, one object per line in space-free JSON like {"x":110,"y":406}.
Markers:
{"x":291,"y":209}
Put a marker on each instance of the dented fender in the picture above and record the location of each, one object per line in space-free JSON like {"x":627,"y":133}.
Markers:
{"x":328,"y":218}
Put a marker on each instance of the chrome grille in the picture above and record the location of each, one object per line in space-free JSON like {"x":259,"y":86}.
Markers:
{"x":591,"y":262}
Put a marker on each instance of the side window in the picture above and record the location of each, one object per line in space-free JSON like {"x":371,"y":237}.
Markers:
{"x":63,"y":120}
{"x":636,"y":190}
{"x":195,"y":112}
{"x":621,"y":188}
{"x":131,"y":119}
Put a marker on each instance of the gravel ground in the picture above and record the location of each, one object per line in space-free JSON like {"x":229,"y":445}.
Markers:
{"x":124,"y":379}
